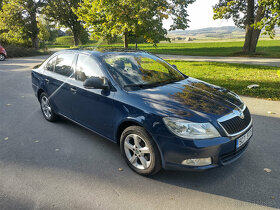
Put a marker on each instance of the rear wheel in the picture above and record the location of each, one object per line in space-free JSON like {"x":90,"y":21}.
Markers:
{"x":140,"y":151}
{"x":2,"y":57}
{"x":46,"y":108}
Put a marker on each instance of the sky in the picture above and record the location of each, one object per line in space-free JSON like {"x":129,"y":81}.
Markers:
{"x":201,"y":16}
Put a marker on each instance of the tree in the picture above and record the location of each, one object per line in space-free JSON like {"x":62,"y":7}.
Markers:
{"x":62,"y":12}
{"x":18,"y":20}
{"x":44,"y":34}
{"x":107,"y":18}
{"x":244,"y":14}
{"x":269,"y":22}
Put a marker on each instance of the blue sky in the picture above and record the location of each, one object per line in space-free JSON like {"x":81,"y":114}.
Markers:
{"x":201,"y":16}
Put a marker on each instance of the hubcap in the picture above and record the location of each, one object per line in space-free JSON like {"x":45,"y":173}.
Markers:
{"x":2,"y":57}
{"x":137,"y":151}
{"x":46,"y":107}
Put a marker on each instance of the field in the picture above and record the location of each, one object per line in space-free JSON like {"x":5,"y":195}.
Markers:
{"x":236,"y":77}
{"x":266,"y":48}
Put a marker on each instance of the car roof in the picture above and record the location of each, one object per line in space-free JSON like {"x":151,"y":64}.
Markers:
{"x":101,"y":52}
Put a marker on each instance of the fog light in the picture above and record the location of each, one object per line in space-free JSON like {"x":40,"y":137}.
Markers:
{"x":197,"y":162}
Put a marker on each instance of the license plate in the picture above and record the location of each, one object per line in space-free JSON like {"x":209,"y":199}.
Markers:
{"x":243,"y":139}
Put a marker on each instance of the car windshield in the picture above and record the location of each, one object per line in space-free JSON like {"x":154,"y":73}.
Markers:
{"x":140,"y":70}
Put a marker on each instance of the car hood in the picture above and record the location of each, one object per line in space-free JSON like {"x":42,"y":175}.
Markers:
{"x":189,"y":98}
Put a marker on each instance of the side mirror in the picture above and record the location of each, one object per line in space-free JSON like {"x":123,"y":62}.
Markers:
{"x":96,"y":83}
{"x":175,"y":67}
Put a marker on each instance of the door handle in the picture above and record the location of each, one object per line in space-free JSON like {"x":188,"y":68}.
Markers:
{"x":73,"y":90}
{"x":47,"y":80}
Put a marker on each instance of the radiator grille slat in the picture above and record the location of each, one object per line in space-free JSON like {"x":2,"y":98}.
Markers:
{"x":236,"y":124}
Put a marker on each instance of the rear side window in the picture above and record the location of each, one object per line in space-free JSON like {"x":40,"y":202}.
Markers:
{"x":50,"y":65}
{"x":86,"y":68}
{"x":64,"y":64}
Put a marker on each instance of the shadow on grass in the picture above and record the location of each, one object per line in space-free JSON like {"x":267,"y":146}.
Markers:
{"x":271,"y":51}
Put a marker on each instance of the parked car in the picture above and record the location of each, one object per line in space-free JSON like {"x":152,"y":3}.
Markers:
{"x":160,"y":117}
{"x":3,"y":53}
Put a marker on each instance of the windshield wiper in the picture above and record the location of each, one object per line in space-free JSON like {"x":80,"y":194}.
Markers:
{"x":156,"y":84}
{"x":139,"y":85}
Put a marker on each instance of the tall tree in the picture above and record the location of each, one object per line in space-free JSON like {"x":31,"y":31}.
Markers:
{"x":62,"y":12}
{"x":244,"y":13}
{"x":18,"y":20}
{"x":107,"y":18}
{"x":272,"y":19}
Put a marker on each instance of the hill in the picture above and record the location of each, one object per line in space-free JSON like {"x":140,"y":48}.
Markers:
{"x":224,"y":32}
{"x":210,"y":32}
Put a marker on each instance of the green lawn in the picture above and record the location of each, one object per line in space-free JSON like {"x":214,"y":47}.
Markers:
{"x":236,"y":77}
{"x":266,"y":48}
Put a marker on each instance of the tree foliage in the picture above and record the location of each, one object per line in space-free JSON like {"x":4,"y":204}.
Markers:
{"x":18,"y":22}
{"x":235,"y":9}
{"x":272,"y":17}
{"x":62,"y":12}
{"x":107,"y":18}
{"x":244,"y":14}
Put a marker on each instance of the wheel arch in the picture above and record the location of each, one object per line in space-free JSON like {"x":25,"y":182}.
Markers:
{"x":39,"y":92}
{"x":132,"y":122}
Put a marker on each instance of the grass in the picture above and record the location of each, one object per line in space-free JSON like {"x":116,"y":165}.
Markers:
{"x":266,"y":48}
{"x":236,"y":77}
{"x":16,"y":51}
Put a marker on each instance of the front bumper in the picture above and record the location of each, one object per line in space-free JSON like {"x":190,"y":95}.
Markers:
{"x":222,"y":151}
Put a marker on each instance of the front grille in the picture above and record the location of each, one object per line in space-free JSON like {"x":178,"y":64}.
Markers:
{"x":236,"y":124}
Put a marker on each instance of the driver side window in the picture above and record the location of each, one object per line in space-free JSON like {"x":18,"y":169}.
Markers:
{"x":87,"y":67}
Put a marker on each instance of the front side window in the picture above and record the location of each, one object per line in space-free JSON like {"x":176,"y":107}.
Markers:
{"x":50,"y":65}
{"x":140,"y":70}
{"x":64,"y":64}
{"x":87,"y":67}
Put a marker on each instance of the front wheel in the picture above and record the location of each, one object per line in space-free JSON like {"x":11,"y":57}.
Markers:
{"x":140,"y":151}
{"x":2,"y":57}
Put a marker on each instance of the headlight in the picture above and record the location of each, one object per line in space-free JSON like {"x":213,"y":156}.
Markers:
{"x":236,"y":96}
{"x":190,"y":130}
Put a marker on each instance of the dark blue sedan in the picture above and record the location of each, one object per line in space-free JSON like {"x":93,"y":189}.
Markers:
{"x":160,"y":117}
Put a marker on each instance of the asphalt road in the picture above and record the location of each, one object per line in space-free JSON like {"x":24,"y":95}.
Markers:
{"x":63,"y":166}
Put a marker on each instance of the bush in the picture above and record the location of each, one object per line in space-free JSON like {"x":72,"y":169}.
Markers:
{"x":64,"y":40}
{"x":16,"y":51}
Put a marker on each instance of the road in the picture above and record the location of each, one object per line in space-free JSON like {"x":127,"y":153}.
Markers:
{"x":242,"y":60}
{"x":63,"y":166}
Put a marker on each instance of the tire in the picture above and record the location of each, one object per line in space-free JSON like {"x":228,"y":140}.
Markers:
{"x":140,"y":151}
{"x":46,"y":108}
{"x":2,"y":57}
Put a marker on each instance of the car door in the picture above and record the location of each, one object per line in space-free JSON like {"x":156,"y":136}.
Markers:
{"x":57,"y":83}
{"x":92,"y":107}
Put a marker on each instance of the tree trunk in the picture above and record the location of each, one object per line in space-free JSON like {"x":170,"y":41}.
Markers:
{"x":136,"y":42}
{"x":76,"y":37}
{"x":256,"y":32}
{"x":248,"y":37}
{"x":35,"y":43}
{"x":249,"y":21}
{"x":252,"y":34}
{"x":125,"y":40}
{"x":35,"y":29}
{"x":254,"y":40}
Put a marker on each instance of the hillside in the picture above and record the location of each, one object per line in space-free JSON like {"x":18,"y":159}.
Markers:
{"x":225,"y":32}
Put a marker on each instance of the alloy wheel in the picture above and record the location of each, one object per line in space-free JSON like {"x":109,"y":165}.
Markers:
{"x":45,"y":104}
{"x":2,"y":57}
{"x":137,"y":151}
